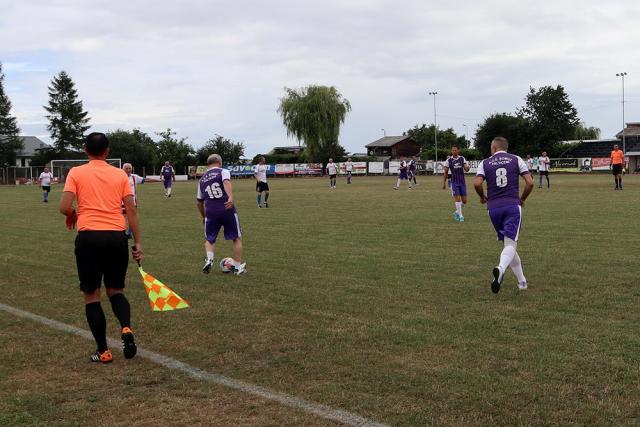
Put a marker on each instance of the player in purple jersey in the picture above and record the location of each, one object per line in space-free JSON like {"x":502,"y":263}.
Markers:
{"x":412,"y":170}
{"x":502,"y":172}
{"x":458,"y":166}
{"x":215,"y":203}
{"x":167,"y":173}
{"x":402,"y":174}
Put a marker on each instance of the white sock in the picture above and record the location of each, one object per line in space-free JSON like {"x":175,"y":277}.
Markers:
{"x":459,"y":208}
{"x":516,"y":267}
{"x":210,"y":255}
{"x":398,"y":184}
{"x":169,"y":191}
{"x":507,"y":254}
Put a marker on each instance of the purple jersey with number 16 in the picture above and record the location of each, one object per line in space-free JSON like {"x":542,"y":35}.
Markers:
{"x":502,"y":172}
{"x":211,"y":191}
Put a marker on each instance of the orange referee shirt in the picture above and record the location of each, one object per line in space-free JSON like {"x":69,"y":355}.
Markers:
{"x":617,"y":157}
{"x":99,"y":189}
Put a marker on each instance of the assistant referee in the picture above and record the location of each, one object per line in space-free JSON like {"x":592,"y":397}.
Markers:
{"x":101,"y":246}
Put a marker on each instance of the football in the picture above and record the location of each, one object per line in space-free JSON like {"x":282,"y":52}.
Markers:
{"x":226,"y":265}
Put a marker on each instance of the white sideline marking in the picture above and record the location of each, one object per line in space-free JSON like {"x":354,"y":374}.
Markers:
{"x":320,"y":410}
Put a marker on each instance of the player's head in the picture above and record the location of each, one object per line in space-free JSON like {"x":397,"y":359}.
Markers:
{"x":262,"y":160}
{"x":615,"y":147}
{"x":46,"y":169}
{"x":330,"y":160}
{"x":214,"y":160}
{"x":349,"y":159}
{"x":528,"y":156}
{"x":499,"y":143}
{"x":455,"y":150}
{"x":544,"y":154}
{"x":96,"y":144}
{"x":167,"y":163}
{"x":127,"y":168}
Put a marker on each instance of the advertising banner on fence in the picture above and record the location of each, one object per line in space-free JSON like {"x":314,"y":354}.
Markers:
{"x":564,"y":165}
{"x":376,"y":167}
{"x":394,"y":167}
{"x":359,"y":168}
{"x":308,"y":168}
{"x":248,"y":170}
{"x":197,"y":171}
{"x":600,"y":163}
{"x":584,"y":164}
{"x":285,"y":169}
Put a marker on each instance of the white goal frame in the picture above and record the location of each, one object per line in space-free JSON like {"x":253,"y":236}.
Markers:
{"x":60,"y":172}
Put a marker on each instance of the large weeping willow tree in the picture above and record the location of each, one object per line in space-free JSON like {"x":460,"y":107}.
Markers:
{"x":313,"y":114}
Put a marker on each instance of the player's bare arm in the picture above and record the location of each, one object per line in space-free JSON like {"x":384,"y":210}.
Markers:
{"x":445,"y":173}
{"x":229,"y":191}
{"x":477,"y":184}
{"x":132,"y":217}
{"x":528,"y":187}
{"x":200,"y":205}
{"x":66,"y":209}
{"x":466,"y":167}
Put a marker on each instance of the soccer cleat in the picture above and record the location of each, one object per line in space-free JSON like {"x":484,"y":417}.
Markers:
{"x":104,"y":357}
{"x":460,"y":218}
{"x":207,"y":266}
{"x":456,"y":217}
{"x":259,"y":206}
{"x":522,"y":286}
{"x":266,"y":205}
{"x":241,"y":269}
{"x":129,"y":348}
{"x":395,"y":188}
{"x":498,"y":275}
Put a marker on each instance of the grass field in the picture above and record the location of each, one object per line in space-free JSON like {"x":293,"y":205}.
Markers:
{"x":360,"y":298}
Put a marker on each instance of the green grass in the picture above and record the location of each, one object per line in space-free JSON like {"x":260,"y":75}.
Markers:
{"x":362,"y":298}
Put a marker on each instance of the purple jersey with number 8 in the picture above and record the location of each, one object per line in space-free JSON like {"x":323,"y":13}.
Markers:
{"x":211,"y":191}
{"x":502,"y":172}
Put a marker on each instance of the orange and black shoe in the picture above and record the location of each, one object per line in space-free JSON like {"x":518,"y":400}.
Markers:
{"x":128,"y":343}
{"x":102,"y":357}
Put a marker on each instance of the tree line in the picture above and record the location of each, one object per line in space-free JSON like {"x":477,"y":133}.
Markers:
{"x":313,"y":115}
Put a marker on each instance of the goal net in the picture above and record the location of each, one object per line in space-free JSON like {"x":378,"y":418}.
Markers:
{"x":61,"y":168}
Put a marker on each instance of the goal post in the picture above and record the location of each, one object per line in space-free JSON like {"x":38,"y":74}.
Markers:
{"x":60,"y":168}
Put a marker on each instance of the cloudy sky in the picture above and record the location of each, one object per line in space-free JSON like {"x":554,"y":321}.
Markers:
{"x":219,"y":67}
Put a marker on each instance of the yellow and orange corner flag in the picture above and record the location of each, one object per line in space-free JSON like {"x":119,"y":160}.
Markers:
{"x":160,"y":296}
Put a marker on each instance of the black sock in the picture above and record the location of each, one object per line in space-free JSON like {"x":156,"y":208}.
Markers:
{"x":121,"y":309}
{"x":97,"y":323}
{"x":620,"y":182}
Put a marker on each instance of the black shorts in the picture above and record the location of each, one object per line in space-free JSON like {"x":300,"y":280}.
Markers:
{"x":617,"y":169}
{"x":544,"y":173}
{"x":332,"y":176}
{"x":46,"y":188}
{"x":262,"y":186}
{"x":101,"y":254}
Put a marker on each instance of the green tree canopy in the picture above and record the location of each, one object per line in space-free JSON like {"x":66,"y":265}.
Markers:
{"x":67,"y":119}
{"x":514,"y":128}
{"x":424,"y":135}
{"x":230,"y":151}
{"x":586,"y":132}
{"x":10,"y":143}
{"x":551,"y":116}
{"x":135,"y":147}
{"x":314,"y":114}
{"x":177,"y":151}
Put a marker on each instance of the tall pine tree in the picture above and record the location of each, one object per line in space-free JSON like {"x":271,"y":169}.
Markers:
{"x":67,"y":120}
{"x":10,"y":143}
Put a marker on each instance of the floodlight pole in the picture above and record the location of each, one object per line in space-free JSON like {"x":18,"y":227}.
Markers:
{"x":384,"y":132}
{"x":466,"y":128}
{"x":435,"y":127}
{"x":624,"y":145}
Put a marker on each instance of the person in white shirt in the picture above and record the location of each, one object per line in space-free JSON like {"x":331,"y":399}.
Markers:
{"x":530,"y":163}
{"x":349,"y":169}
{"x":332,"y":171}
{"x":260,"y":175}
{"x":543,"y":168}
{"x":45,"y":179}
{"x":134,"y":181}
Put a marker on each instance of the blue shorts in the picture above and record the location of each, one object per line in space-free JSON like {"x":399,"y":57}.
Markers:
{"x":167,"y":183}
{"x":228,"y":219}
{"x":458,"y":190}
{"x":507,"y":221}
{"x":403,"y":175}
